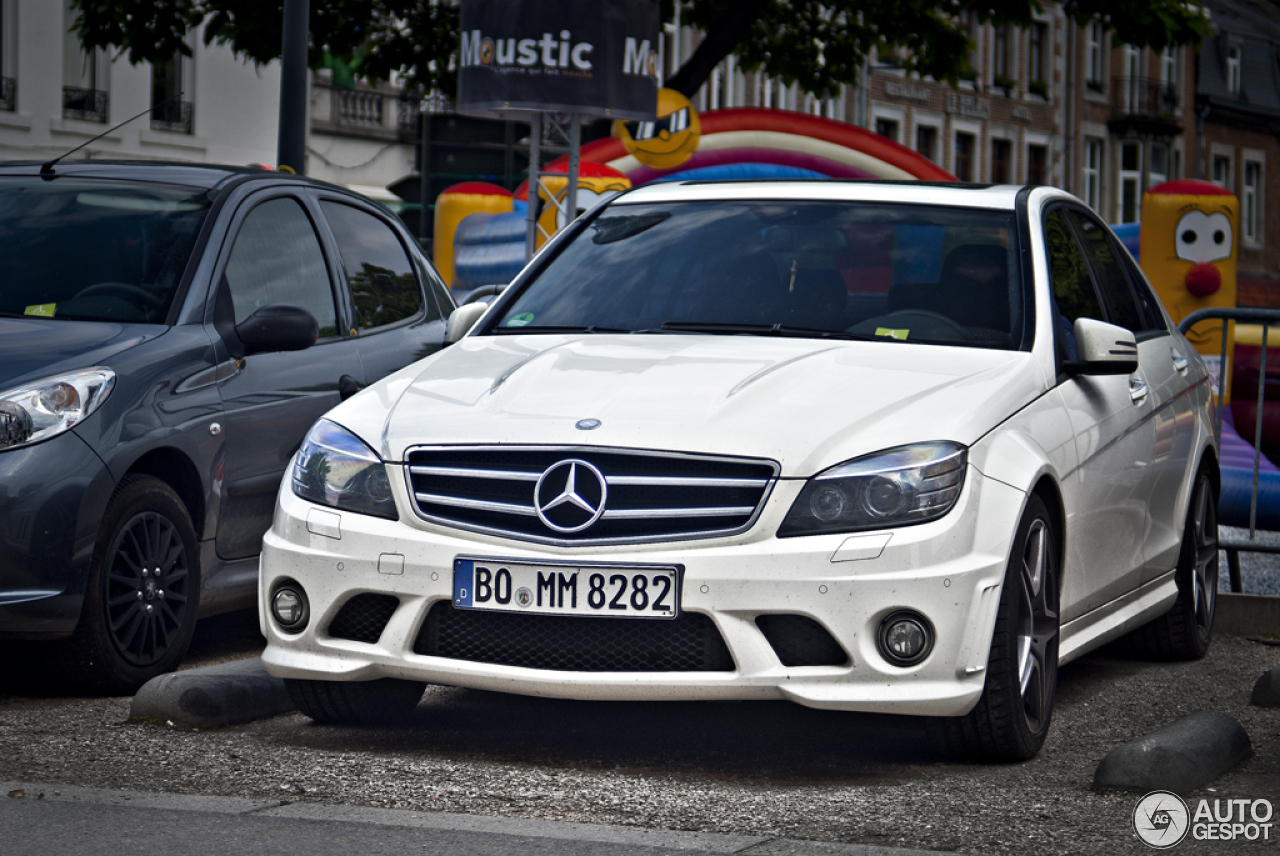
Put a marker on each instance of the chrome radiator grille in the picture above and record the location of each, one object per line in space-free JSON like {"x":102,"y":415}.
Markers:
{"x":587,"y":495}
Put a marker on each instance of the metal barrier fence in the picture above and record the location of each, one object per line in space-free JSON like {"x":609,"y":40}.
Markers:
{"x":1266,"y":317}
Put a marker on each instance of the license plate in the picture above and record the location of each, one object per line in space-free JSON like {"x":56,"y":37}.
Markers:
{"x":550,"y":588}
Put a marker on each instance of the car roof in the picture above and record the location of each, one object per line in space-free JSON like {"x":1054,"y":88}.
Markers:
{"x":209,"y":176}
{"x":921,"y":192}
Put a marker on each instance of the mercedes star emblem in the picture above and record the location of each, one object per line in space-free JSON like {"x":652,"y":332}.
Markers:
{"x":570,"y":496}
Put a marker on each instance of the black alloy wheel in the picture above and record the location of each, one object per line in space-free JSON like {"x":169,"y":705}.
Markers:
{"x":1011,"y":719}
{"x":142,"y":596}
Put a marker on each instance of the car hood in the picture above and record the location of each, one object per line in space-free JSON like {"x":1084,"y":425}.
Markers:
{"x":805,"y":403}
{"x":33,"y":348}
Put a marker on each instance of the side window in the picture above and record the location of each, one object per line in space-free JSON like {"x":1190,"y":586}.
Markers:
{"x":1112,"y":279}
{"x":379,"y":271}
{"x":277,"y":259}
{"x":1073,"y":290}
{"x":1147,"y":301}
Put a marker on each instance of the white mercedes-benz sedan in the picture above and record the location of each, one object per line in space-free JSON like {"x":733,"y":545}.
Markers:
{"x":876,"y":446}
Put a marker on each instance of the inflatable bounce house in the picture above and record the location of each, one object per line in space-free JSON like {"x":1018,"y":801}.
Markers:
{"x":480,"y":228}
{"x":1187,"y":248}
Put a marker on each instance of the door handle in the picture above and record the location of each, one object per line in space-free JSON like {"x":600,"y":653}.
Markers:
{"x":1137,"y":389}
{"x":1180,"y":362}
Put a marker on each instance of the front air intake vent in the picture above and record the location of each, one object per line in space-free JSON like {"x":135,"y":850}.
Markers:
{"x":584,"y":495}
{"x":800,"y":641}
{"x":364,"y":617}
{"x":689,"y":643}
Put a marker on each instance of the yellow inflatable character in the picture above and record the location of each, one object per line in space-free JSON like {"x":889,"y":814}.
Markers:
{"x":668,"y":141}
{"x":596,"y":183}
{"x":1188,"y":251}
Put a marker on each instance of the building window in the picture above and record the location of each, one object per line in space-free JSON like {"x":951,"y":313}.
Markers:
{"x":1091,"y":174}
{"x":1169,"y":68}
{"x":1130,"y":181}
{"x":1037,"y":158}
{"x":1093,"y":57}
{"x":1251,"y":189}
{"x":1037,"y":75}
{"x":1002,"y":58}
{"x":1159,"y":164}
{"x":1000,"y":151}
{"x":1233,"y":70}
{"x":84,"y":87}
{"x":964,"y":157}
{"x":1222,"y":170}
{"x":887,"y":128}
{"x":927,"y":141}
{"x":170,"y":104}
{"x":1133,"y":94}
{"x":969,"y":25}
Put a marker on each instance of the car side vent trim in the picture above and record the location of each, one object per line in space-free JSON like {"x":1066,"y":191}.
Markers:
{"x":364,"y":617}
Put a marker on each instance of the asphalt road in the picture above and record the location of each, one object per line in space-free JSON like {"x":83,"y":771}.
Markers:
{"x":772,"y":771}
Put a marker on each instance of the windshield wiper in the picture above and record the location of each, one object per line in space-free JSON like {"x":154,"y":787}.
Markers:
{"x":590,"y":328}
{"x":784,"y":330}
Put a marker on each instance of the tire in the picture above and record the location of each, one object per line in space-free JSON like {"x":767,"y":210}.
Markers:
{"x":1185,"y":631}
{"x":380,"y":702}
{"x":1013,"y":714}
{"x":142,"y":596}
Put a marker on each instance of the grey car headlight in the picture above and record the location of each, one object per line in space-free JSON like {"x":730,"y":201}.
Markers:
{"x":335,"y":468}
{"x":896,"y":487}
{"x":52,"y":405}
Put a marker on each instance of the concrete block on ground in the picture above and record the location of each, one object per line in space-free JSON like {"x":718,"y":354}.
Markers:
{"x":213,"y":696}
{"x":1246,"y":614}
{"x":1180,"y":757}
{"x":1266,"y":691}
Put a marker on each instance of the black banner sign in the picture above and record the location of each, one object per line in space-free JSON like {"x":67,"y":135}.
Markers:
{"x":598,"y":57}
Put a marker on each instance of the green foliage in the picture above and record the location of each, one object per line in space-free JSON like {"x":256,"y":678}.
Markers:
{"x":818,"y":45}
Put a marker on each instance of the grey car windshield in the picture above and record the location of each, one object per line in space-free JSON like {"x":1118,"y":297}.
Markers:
{"x":902,"y":272}
{"x":95,"y":250}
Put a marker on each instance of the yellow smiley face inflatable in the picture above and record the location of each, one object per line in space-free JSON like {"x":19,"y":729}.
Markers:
{"x":668,"y":141}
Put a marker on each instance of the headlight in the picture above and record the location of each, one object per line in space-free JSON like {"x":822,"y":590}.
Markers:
{"x":336,"y":468}
{"x":896,"y":487}
{"x":50,"y":406}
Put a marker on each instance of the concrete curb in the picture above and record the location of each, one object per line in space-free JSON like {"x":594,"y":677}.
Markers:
{"x":1247,"y":614}
{"x":212,"y":697}
{"x":1266,"y":691}
{"x":1185,"y":755}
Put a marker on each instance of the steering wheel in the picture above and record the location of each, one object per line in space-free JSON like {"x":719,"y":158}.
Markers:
{"x":135,"y":291}
{"x":923,"y":313}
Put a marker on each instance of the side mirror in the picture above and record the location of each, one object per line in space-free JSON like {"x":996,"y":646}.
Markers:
{"x":1103,"y":349}
{"x":279,"y":327}
{"x":462,"y":319}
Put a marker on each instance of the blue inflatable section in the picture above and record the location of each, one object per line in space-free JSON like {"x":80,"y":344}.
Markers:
{"x":488,"y":249}
{"x":1237,"y":481}
{"x":1128,"y":235}
{"x":739,"y":171}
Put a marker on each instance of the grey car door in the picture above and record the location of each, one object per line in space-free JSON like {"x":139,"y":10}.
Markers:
{"x":395,"y":318}
{"x":273,"y":399}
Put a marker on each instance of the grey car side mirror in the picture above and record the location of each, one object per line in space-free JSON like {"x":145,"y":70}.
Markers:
{"x":279,"y":327}
{"x":1103,"y":349}
{"x":462,"y":319}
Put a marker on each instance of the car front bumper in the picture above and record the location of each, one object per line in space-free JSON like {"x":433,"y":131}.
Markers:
{"x":950,"y":571}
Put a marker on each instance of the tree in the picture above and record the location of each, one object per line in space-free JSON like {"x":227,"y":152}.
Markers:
{"x":819,"y":44}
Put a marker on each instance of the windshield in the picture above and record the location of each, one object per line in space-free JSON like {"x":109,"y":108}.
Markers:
{"x":901,"y":272}
{"x":95,"y":250}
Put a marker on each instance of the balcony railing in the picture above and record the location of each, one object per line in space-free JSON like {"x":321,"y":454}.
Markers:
{"x":174,"y":116}
{"x":1143,"y":104}
{"x":374,"y":113}
{"x":87,"y":104}
{"x":357,"y":108}
{"x":8,"y":94}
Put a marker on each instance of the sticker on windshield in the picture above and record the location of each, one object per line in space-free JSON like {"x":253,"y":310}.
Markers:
{"x":900,"y":335}
{"x":44,"y":310}
{"x":522,"y":320}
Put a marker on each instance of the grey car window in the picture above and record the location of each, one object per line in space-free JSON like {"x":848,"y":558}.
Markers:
{"x":378,"y":269}
{"x":277,"y":259}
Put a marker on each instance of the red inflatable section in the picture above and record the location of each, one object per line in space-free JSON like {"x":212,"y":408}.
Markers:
{"x":480,"y":188}
{"x":1190,"y":187}
{"x":786,"y":122}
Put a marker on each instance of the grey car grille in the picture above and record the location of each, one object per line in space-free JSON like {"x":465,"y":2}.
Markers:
{"x":651,"y":496}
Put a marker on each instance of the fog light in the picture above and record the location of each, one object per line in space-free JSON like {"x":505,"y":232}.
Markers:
{"x":905,"y":638}
{"x":289,"y":607}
